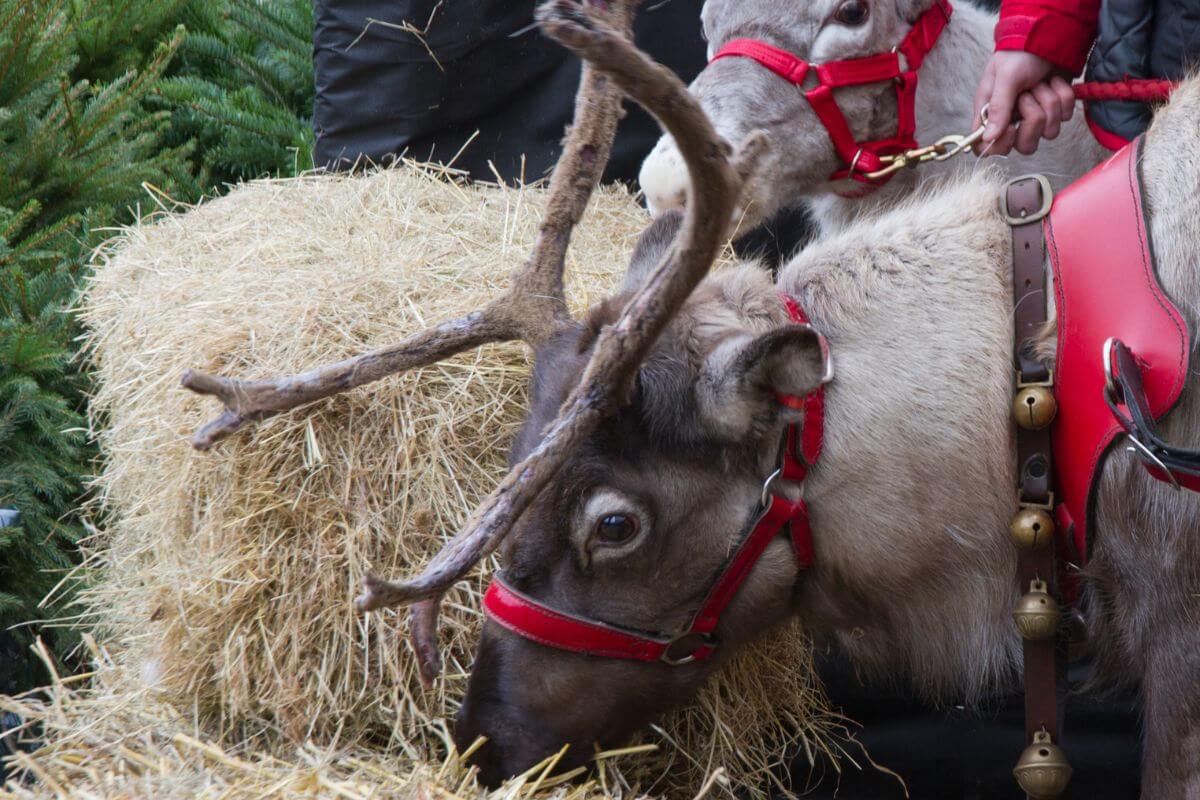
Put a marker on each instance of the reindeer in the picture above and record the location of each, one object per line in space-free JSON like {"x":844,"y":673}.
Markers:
{"x":653,"y":435}
{"x":740,"y":96}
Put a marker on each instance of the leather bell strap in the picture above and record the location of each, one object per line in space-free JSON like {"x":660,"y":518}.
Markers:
{"x":538,"y":622}
{"x":1131,"y":408}
{"x":1025,"y":205}
{"x":858,"y":157}
{"x":1025,"y":200}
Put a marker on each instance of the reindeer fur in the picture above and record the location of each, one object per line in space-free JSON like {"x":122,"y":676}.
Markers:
{"x":913,"y":573}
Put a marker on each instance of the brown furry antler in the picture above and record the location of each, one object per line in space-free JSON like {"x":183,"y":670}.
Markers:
{"x":717,"y":178}
{"x":531,"y":310}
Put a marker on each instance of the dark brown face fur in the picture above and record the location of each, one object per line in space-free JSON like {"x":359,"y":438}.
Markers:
{"x":691,"y":490}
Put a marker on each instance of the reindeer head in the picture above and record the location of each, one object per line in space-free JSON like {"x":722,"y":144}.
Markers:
{"x":643,"y":454}
{"x":642,"y":517}
{"x":740,"y":95}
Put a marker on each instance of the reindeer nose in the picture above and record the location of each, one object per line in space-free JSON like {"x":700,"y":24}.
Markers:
{"x":513,"y":744}
{"x":664,"y":177}
{"x":486,"y":759}
{"x":468,"y":728}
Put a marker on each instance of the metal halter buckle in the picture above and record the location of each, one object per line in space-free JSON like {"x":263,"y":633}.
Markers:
{"x":854,"y":164}
{"x":766,"y":490}
{"x":826,"y":360}
{"x":1047,"y":201}
{"x":701,"y":640}
{"x":1140,"y":450}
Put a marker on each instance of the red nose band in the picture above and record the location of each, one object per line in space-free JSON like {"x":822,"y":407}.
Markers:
{"x":538,"y":622}
{"x":527,"y":617}
{"x":858,"y":157}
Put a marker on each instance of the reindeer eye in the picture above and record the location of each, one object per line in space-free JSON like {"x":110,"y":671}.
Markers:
{"x":616,"y":528}
{"x":852,"y":13}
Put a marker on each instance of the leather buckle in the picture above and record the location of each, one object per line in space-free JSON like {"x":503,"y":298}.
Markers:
{"x":1036,"y":216}
{"x":691,"y":642}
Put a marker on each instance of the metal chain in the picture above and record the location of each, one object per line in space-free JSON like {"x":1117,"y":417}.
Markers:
{"x":943,"y":149}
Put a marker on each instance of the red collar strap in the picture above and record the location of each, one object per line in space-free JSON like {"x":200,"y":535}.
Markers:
{"x":527,"y":617}
{"x":858,"y":157}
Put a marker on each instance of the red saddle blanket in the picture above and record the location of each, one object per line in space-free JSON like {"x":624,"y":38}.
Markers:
{"x":1116,"y":326}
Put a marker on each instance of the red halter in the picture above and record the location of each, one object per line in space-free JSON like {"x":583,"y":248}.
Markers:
{"x":527,"y":617}
{"x":858,"y":157}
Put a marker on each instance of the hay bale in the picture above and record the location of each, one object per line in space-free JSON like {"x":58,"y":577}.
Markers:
{"x":225,"y":579}
{"x":110,"y":740}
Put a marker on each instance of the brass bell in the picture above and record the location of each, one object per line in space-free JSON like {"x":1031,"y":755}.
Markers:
{"x":1042,"y":771}
{"x":1036,"y":613}
{"x":1034,"y":407}
{"x":1031,"y":529}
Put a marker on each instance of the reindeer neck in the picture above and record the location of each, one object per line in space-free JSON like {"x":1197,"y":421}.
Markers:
{"x":915,"y":487}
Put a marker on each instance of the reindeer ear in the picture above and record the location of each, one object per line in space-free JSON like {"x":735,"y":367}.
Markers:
{"x":652,"y":245}
{"x":743,"y":380}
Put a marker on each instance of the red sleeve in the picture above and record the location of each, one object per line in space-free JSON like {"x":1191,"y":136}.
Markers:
{"x":1060,"y":31}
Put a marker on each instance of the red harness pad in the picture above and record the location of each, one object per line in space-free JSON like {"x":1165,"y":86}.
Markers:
{"x":1105,"y":286}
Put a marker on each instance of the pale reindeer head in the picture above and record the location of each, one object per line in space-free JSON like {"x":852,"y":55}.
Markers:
{"x":740,"y":95}
{"x":646,"y":512}
{"x":647,"y":446}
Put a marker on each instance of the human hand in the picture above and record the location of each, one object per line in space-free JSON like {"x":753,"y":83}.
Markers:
{"x":1035,"y":89}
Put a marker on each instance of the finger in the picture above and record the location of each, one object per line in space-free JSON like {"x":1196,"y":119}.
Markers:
{"x":1033,"y":121}
{"x":1051,"y":105}
{"x":983,"y":93}
{"x":1003,"y":146}
{"x":1000,"y":108}
{"x":1065,"y":94}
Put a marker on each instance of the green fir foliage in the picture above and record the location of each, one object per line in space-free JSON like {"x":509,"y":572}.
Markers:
{"x":104,"y":104}
{"x":74,"y":154}
{"x":243,"y":88}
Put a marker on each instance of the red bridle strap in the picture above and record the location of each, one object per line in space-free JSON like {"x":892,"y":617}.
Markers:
{"x":858,"y":157}
{"x":527,"y":617}
{"x":534,"y":620}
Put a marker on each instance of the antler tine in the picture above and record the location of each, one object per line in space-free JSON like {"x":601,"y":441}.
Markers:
{"x":717,"y":180}
{"x":424,"y":617}
{"x":532,"y":309}
{"x":251,"y":401}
